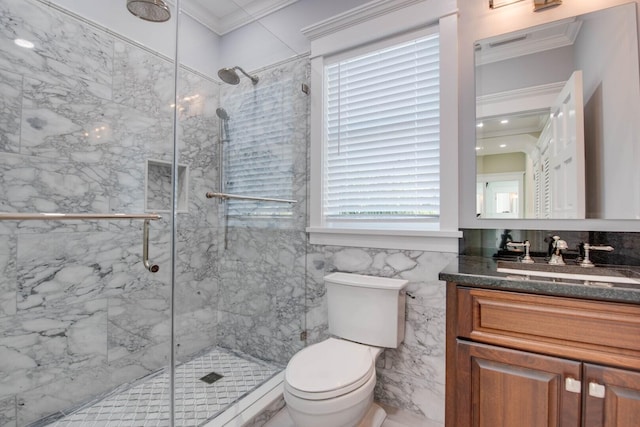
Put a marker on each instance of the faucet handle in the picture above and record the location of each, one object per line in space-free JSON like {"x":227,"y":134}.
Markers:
{"x":527,"y":258}
{"x":586,"y":262}
{"x":559,"y":244}
{"x":605,"y":248}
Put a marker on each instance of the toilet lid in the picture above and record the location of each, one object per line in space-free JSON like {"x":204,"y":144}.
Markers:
{"x":330,"y":368}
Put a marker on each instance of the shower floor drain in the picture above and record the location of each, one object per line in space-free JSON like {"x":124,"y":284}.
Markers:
{"x":211,"y":378}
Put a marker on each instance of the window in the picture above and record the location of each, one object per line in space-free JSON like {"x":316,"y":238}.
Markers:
{"x":384,"y":118}
{"x":382,"y":134}
{"x":258,"y":151}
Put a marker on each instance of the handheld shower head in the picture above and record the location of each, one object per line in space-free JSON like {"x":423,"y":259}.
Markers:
{"x":149,"y":10}
{"x":229,"y":75}
{"x":222,"y":113}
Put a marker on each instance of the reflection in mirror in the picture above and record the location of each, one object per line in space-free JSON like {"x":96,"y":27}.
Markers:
{"x":557,"y":128}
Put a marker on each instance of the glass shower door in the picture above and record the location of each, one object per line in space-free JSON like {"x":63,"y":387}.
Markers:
{"x":86,"y":128}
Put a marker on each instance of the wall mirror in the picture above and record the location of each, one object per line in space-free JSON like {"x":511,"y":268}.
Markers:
{"x":557,"y":119}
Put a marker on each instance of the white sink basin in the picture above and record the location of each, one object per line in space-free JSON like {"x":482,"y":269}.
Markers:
{"x":622,"y":275}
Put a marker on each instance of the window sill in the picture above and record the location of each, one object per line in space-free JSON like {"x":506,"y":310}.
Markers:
{"x":406,"y":239}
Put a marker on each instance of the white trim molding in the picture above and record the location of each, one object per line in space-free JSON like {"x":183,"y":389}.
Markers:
{"x":419,"y":240}
{"x":518,"y":100}
{"x":376,"y":20}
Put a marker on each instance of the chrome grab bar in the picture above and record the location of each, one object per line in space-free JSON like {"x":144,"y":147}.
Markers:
{"x":227,"y":196}
{"x":9,"y":216}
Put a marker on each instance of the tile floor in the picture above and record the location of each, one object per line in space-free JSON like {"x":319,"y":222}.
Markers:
{"x":144,"y":404}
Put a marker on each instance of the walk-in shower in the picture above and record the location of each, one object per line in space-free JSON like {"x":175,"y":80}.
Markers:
{"x":96,"y":305}
{"x":230,"y":76}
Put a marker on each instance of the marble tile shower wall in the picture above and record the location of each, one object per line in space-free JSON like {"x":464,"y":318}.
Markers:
{"x":79,"y":116}
{"x":262,"y":271}
{"x":412,"y":376}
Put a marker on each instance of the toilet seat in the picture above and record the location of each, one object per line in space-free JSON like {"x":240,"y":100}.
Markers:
{"x":329,"y":369}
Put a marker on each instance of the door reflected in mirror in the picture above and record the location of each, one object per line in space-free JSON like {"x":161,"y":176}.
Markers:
{"x":558,"y":106}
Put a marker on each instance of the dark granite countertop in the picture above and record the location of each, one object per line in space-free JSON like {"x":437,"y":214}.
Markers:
{"x":481,"y":272}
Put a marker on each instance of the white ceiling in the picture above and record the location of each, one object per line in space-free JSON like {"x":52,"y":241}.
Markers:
{"x":519,"y":133}
{"x":223,"y":16}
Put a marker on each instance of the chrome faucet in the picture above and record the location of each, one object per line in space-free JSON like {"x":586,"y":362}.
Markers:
{"x":526,"y":245}
{"x":557,"y":245}
{"x":586,"y":262}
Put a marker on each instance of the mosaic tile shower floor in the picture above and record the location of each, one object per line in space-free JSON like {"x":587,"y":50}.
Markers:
{"x":145,"y":404}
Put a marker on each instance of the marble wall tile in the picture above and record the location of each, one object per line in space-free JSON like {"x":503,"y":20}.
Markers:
{"x":315,"y":300}
{"x":240,"y":332}
{"x":196,"y":290}
{"x":195,"y":330}
{"x":55,"y":270}
{"x":198,"y":121}
{"x":66,"y":50}
{"x":139,"y":319}
{"x":144,"y":81}
{"x":32,"y":184}
{"x":8,"y":291}
{"x":67,"y":391}
{"x":10,"y":100}
{"x":414,"y":394}
{"x":38,"y":350}
{"x":202,"y":212}
{"x":59,"y":122}
{"x":410,"y":377}
{"x":262,"y":277}
{"x":8,"y":412}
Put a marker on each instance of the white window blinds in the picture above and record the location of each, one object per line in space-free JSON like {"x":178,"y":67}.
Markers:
{"x":259,"y":150}
{"x":382,"y":158}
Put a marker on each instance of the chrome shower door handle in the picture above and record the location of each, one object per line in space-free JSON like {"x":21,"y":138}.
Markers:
{"x":145,"y":249}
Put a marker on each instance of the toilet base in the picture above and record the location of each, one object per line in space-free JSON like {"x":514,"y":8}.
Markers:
{"x":374,"y":418}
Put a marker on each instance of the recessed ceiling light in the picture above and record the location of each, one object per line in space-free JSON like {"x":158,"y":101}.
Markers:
{"x":503,"y":145}
{"x":504,"y":122}
{"x":480,"y":125}
{"x":478,"y":148}
{"x":24,"y":43}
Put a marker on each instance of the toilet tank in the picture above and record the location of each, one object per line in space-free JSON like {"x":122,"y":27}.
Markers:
{"x":366,"y":309}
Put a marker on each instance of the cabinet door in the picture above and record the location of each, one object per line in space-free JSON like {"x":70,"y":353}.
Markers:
{"x":612,"y":397}
{"x":498,"y":387}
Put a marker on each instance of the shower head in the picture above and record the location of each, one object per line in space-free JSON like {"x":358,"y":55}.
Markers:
{"x":229,"y":75}
{"x":222,"y":113}
{"x":149,"y":10}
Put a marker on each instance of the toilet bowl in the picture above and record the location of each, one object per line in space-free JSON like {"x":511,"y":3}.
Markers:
{"x":331,"y":383}
{"x":338,"y":391}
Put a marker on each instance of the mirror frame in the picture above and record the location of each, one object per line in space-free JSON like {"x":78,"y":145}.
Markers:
{"x":477,"y":23}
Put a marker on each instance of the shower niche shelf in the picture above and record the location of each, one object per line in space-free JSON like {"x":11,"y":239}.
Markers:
{"x":157,"y":187}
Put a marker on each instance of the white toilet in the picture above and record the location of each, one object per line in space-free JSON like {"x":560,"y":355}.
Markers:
{"x":330,"y":384}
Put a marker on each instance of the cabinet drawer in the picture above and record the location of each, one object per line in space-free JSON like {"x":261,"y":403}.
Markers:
{"x":589,"y":330}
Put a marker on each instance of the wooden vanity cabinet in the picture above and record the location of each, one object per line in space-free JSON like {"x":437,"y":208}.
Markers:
{"x":524,"y":360}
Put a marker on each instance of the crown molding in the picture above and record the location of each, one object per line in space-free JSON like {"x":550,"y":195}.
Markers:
{"x":355,"y":16}
{"x":528,"y":41}
{"x":524,"y":99}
